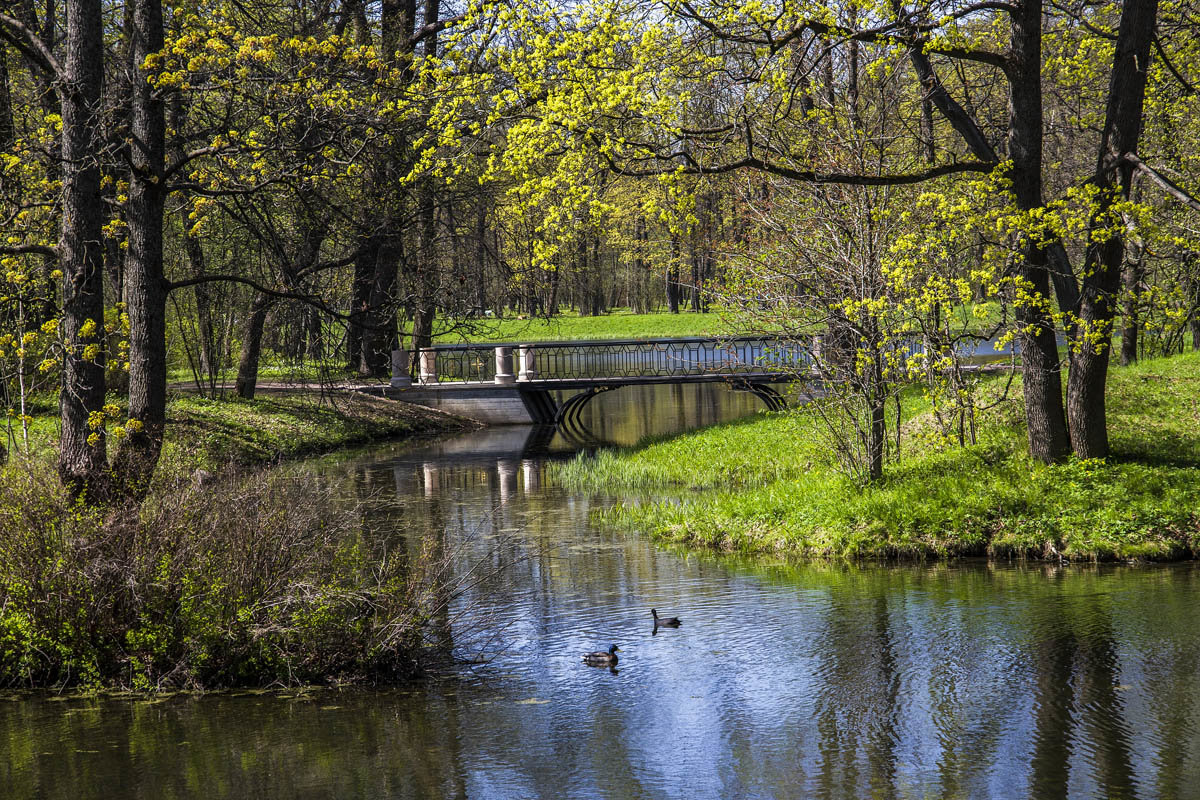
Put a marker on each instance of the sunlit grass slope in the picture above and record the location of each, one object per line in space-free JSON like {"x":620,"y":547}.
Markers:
{"x":572,"y":327}
{"x":768,"y":484}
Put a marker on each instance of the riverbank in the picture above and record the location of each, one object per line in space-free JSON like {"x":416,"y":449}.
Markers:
{"x":767,"y":484}
{"x":215,"y":434}
{"x":227,"y":578}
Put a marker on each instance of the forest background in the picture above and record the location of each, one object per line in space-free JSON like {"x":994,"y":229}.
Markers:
{"x":190,"y":189}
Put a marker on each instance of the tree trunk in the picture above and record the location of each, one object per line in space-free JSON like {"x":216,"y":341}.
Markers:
{"x":1046,"y":424}
{"x":1132,"y":275}
{"x":877,"y":436}
{"x":82,"y":465}
{"x":7,"y":131}
{"x":252,"y":332}
{"x":673,"y":277}
{"x":1102,"y":271}
{"x":360,"y":301}
{"x":1191,"y":288}
{"x":146,"y":293}
{"x":379,"y":335}
{"x":425,"y":308}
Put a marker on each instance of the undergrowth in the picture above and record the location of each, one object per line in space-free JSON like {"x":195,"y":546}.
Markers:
{"x":246,"y":580}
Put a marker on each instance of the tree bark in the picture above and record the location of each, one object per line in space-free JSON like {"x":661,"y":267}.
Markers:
{"x":146,"y":293}
{"x":7,"y":131}
{"x":379,"y":334}
{"x":1091,"y":350}
{"x":82,"y":466}
{"x":252,"y":332}
{"x":360,"y":301}
{"x":1046,"y":424}
{"x":1132,"y":275}
{"x":673,"y":276}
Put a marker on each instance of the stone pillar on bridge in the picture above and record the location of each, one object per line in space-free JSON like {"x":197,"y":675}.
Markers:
{"x":528,"y":368}
{"x":504,"y":373}
{"x":400,"y":376}
{"x":428,"y":366}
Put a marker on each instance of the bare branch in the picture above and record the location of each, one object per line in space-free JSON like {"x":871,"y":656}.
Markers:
{"x":1162,"y":53}
{"x":432,"y":29}
{"x":20,"y":36}
{"x":1163,"y":182}
{"x":28,"y":249}
{"x":813,"y":176}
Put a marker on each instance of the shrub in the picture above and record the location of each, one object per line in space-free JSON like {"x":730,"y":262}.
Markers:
{"x":244,"y":580}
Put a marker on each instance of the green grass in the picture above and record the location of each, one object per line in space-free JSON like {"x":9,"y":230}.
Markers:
{"x":767,"y":485}
{"x":213,"y":434}
{"x":569,"y":327}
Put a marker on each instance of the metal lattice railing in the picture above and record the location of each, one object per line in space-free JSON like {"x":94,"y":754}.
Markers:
{"x":614,"y":359}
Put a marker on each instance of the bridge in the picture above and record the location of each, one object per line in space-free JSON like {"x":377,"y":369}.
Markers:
{"x":514,"y":383}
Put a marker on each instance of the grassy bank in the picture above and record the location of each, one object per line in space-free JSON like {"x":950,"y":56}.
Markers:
{"x":253,"y":579}
{"x":247,"y":578}
{"x":571,"y":326}
{"x":214,"y":434}
{"x":767,"y":484}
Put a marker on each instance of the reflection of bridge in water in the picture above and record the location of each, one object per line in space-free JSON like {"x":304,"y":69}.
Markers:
{"x":515,"y":384}
{"x":508,"y":460}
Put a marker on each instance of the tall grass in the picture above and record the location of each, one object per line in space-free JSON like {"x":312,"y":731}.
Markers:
{"x":767,"y":484}
{"x":247,"y":580}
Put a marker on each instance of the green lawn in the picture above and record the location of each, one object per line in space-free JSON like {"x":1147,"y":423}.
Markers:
{"x":767,"y":484}
{"x":569,"y":327}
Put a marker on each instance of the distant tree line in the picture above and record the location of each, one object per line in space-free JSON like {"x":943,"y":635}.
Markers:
{"x":209,"y":183}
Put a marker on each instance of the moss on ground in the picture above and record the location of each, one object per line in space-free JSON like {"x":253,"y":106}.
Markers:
{"x":768,"y":484}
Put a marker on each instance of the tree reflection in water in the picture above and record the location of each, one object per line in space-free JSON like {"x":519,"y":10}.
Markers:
{"x":804,"y":680}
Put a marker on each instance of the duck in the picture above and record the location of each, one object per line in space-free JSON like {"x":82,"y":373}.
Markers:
{"x":673,"y":622}
{"x":601,"y":658}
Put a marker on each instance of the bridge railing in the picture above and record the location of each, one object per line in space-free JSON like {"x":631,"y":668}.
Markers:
{"x":632,"y":358}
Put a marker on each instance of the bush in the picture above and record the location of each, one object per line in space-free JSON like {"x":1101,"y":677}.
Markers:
{"x":252,"y":580}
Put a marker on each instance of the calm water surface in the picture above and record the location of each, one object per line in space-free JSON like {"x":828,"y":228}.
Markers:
{"x":973,"y":680}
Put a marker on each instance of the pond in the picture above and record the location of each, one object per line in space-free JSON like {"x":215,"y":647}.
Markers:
{"x":785,"y":680}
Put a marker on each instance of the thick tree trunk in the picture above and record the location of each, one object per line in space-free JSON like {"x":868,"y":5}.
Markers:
{"x":82,"y":465}
{"x":1102,"y":272}
{"x":379,"y":334}
{"x":252,"y":333}
{"x":1046,"y":424}
{"x":146,"y":293}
